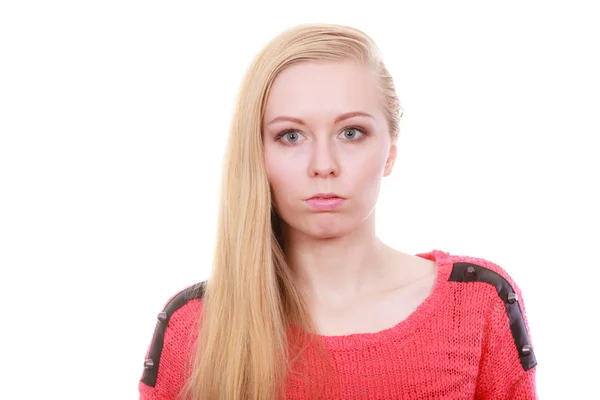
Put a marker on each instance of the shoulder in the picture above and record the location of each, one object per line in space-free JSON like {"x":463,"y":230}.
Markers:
{"x":469,"y":269}
{"x":172,"y":341}
{"x":485,"y":278}
{"x":485,"y":283}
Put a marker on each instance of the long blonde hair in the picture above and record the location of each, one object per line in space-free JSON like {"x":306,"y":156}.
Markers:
{"x":243,"y":349}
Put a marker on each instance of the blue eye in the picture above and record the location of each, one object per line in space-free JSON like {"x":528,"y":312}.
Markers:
{"x":353,"y":133}
{"x":292,"y":137}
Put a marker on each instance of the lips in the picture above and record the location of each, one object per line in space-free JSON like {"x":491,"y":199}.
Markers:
{"x":325,"y":201}
{"x":326,"y":196}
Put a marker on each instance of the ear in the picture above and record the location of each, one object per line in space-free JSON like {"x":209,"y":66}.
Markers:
{"x":389,"y":164}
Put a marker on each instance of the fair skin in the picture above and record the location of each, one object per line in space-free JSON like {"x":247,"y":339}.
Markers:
{"x":354,"y":283}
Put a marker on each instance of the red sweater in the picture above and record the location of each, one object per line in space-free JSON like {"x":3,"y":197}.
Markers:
{"x":468,"y":340}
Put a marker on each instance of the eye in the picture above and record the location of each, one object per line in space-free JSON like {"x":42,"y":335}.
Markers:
{"x":353,"y":132}
{"x":290,"y":136}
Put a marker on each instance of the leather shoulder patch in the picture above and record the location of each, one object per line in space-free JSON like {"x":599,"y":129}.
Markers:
{"x":151,"y":364}
{"x":469,"y":272}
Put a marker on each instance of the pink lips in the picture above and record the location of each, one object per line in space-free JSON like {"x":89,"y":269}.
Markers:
{"x":325,"y":201}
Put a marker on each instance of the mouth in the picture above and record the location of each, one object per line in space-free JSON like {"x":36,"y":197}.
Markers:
{"x":321,"y":196}
{"x":325,"y":201}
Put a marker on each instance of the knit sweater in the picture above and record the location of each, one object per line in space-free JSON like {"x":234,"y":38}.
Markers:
{"x":469,"y":339}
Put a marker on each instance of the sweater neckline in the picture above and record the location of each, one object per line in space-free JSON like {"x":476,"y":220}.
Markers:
{"x":405,"y":327}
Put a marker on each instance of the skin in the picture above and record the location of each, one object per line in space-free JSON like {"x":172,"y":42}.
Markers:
{"x":345,"y":270}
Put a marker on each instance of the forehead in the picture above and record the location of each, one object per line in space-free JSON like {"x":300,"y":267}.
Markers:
{"x":324,"y":89}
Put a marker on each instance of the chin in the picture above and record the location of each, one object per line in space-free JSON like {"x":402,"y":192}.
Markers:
{"x":325,"y":234}
{"x":321,"y":225}
{"x":328,"y":228}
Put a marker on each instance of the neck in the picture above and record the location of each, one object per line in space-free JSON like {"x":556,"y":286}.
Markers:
{"x":336,"y":269}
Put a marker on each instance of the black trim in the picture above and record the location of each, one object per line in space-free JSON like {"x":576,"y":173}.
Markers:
{"x":468,"y":272}
{"x":152,"y":363}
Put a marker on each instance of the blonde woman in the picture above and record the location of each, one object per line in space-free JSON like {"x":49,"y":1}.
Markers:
{"x":304,"y":300}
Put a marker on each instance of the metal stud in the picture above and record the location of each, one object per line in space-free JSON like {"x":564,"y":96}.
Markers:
{"x":527,"y":350}
{"x":512,"y":297}
{"x":162,"y":317}
{"x":149,"y":364}
{"x":470,"y":271}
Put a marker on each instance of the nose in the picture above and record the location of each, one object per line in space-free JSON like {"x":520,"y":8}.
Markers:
{"x":324,"y":160}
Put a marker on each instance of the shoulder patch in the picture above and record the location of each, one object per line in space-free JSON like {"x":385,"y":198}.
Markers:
{"x":156,"y":346}
{"x":469,"y":272}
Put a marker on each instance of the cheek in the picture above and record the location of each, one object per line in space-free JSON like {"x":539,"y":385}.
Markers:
{"x":283,"y":176}
{"x":364,"y":172}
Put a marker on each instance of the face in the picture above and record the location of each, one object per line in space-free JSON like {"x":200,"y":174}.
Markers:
{"x":324,"y":132}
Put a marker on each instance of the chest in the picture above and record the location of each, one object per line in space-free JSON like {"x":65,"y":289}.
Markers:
{"x":372,"y":314}
{"x":405,"y":370}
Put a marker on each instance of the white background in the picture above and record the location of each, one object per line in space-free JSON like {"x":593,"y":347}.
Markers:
{"x":113,"y":119}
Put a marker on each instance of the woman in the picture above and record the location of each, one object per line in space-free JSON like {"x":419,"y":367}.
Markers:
{"x":304,"y":300}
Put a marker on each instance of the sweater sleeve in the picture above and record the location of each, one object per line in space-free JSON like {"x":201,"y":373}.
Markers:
{"x":168,"y":358}
{"x":508,"y":365}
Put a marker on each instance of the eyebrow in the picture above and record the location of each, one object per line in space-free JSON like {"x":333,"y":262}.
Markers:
{"x":338,"y":119}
